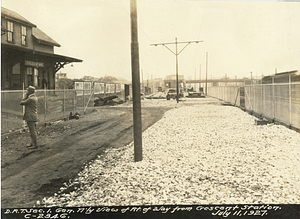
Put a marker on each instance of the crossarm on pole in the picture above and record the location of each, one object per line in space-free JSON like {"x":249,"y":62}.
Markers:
{"x":184,"y":48}
{"x":169,"y":49}
{"x":156,"y":44}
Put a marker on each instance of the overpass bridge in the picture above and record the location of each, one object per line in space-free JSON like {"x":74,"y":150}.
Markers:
{"x":218,"y":81}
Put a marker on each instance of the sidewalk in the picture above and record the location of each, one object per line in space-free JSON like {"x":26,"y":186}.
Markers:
{"x":200,"y":152}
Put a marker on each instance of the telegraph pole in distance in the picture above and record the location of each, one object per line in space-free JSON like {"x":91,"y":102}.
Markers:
{"x":200,"y":78}
{"x":176,"y":53}
{"x":136,"y":93}
{"x":206,"y":73}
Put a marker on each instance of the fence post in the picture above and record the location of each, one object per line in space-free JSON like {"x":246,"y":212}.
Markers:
{"x":93,"y":94}
{"x":83,"y":99}
{"x":64,"y":104}
{"x":74,"y":100}
{"x":23,"y":109}
{"x":250,"y":94}
{"x":261,"y":97}
{"x":264,"y":97}
{"x":273,"y":85}
{"x":45,"y":105}
{"x":290,"y":99}
{"x":254,"y":94}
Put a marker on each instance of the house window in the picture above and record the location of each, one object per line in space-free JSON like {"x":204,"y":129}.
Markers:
{"x":24,"y":36}
{"x":16,"y":76}
{"x":10,"y":31}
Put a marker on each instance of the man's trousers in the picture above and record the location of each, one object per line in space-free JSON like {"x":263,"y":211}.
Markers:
{"x":33,"y":132}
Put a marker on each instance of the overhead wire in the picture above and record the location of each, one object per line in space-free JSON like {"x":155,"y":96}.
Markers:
{"x":140,"y":28}
{"x":200,"y":30}
{"x":151,"y":41}
{"x":138,"y":24}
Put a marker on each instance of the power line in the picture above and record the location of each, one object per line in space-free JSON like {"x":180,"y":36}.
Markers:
{"x":137,"y":24}
{"x":202,"y":21}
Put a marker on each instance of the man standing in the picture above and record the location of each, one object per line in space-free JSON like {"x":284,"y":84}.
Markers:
{"x":30,"y":102}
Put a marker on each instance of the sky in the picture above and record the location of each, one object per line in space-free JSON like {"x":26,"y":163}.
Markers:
{"x":238,"y":37}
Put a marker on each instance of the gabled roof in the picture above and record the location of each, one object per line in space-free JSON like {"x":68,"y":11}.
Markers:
{"x":8,"y":14}
{"x":41,"y":37}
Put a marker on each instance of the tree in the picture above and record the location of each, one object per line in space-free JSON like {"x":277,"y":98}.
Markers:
{"x":108,"y":79}
{"x":64,"y":83}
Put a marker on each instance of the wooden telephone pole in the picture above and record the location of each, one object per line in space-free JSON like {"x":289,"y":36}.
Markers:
{"x":135,"y":70}
{"x":206,"y":73}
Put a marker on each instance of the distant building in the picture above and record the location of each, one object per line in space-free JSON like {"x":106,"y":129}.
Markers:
{"x":152,"y":85}
{"x":170,"y":81}
{"x":27,"y":54}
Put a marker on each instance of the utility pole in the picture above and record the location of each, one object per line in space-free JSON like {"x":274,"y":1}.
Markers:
{"x":176,"y":53}
{"x":200,"y":77}
{"x":152,"y":84}
{"x":206,"y":73}
{"x":135,"y":70}
{"x":148,"y":84}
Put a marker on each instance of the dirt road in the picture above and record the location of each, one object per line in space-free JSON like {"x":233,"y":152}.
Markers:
{"x":29,"y":175}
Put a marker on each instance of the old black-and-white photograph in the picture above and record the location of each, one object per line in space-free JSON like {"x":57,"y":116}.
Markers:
{"x":189,"y":104}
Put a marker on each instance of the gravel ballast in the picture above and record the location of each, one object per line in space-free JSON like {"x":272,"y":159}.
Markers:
{"x":200,"y":152}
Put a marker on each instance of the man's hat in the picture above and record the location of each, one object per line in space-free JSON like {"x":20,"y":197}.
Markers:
{"x":31,"y":88}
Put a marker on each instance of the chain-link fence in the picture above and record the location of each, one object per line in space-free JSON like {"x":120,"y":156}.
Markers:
{"x":279,"y":101}
{"x":55,"y":104}
{"x":228,"y":94}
